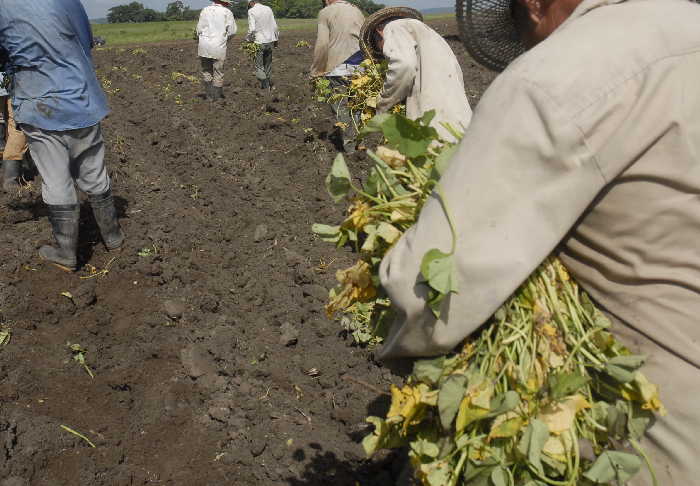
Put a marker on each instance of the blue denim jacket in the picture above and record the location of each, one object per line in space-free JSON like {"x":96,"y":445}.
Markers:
{"x":48,"y":42}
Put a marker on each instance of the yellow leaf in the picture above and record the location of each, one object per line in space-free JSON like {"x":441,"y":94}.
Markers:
{"x":558,"y":447}
{"x":648,"y":394}
{"x":502,"y":429}
{"x":409,"y":403}
{"x":560,"y":416}
{"x":356,"y":286}
{"x":392,"y":158}
{"x":67,"y":294}
{"x":476,"y":404}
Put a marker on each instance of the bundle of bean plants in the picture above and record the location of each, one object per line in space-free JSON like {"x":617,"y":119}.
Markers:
{"x":543,"y":394}
{"x":361,"y":93}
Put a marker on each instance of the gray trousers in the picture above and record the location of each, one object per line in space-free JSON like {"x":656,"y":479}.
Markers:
{"x":67,"y":158}
{"x":263,"y":61}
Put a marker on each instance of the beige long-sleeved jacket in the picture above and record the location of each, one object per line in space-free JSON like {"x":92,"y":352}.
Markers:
{"x":424,"y":71}
{"x":589,"y":142}
{"x":338,"y":36}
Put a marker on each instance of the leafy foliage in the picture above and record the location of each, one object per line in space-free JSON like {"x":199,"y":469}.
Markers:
{"x":541,"y":378}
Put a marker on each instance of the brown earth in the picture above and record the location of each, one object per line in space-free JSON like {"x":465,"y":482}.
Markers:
{"x":214,"y":362}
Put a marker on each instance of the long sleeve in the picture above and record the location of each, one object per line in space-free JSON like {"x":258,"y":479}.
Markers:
{"x":400,"y":50}
{"x":231,"y":26}
{"x":521,"y":178}
{"x":201,"y":23}
{"x":251,"y":25}
{"x":318,"y":66}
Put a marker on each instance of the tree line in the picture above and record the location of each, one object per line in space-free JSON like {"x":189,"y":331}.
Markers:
{"x":177,"y":10}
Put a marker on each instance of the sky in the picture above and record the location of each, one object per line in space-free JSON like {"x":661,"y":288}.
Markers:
{"x":98,"y":8}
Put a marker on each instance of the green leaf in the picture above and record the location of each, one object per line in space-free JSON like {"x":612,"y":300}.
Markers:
{"x":532,"y":443}
{"x":330,"y":234}
{"x":408,"y":136}
{"x":565,"y":384}
{"x":438,"y":271}
{"x":427,"y":117}
{"x":442,"y":161}
{"x":614,"y":466}
{"x":499,"y":477}
{"x":429,"y":370}
{"x":338,"y":181}
{"x":449,"y":399}
{"x":435,"y":299}
{"x":439,"y":476}
{"x":622,"y":368}
{"x":504,"y":403}
{"x":424,"y":447}
{"x":639,"y":421}
{"x":616,"y":421}
{"x":375,"y":124}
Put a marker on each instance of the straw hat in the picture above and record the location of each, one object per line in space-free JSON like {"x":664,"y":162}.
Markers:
{"x":488,"y":29}
{"x":367,"y":32}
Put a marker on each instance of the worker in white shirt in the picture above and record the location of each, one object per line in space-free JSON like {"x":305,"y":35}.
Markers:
{"x":216,"y":25}
{"x":263,"y":30}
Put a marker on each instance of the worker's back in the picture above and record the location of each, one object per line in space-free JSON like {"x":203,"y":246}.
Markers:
{"x":342,"y":21}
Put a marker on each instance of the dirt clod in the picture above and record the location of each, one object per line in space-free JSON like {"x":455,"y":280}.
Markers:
{"x":289,"y":334}
{"x":196,"y":361}
{"x":174,"y":309}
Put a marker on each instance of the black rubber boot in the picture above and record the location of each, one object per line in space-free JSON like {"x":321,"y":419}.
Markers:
{"x":106,"y":217}
{"x":265,"y":83}
{"x":65,"y":220}
{"x":218,"y":93}
{"x":11,"y":173}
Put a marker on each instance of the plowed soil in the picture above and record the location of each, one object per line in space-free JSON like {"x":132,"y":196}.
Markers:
{"x":213,"y":361}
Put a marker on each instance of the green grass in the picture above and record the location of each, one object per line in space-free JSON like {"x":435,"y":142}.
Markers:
{"x":144,"y":33}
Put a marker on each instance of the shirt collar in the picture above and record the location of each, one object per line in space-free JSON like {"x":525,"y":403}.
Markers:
{"x":588,"y":5}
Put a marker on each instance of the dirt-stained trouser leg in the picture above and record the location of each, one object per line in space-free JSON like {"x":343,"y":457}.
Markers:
{"x":260,"y":72}
{"x":218,"y":79}
{"x":207,"y":76}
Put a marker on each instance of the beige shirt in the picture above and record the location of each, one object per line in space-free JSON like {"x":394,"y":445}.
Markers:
{"x":424,"y":71}
{"x":338,"y":36}
{"x":592,"y":140}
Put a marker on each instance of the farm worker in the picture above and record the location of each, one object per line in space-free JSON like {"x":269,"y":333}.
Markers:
{"x":58,"y":103}
{"x":337,"y":56}
{"x":587,"y":146}
{"x":423,"y":70}
{"x":262,"y":29}
{"x":14,"y":142}
{"x":216,"y":25}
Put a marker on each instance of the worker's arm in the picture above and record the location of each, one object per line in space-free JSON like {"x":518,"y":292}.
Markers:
{"x":231,"y":26}
{"x":400,"y":50}
{"x":201,"y":23}
{"x":318,"y":66}
{"x":250,"y":36}
{"x":521,"y":178}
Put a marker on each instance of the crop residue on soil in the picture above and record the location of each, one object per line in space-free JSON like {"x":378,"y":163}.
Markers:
{"x":213,"y":360}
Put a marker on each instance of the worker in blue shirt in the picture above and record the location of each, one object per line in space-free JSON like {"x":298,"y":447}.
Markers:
{"x":59,"y":103}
